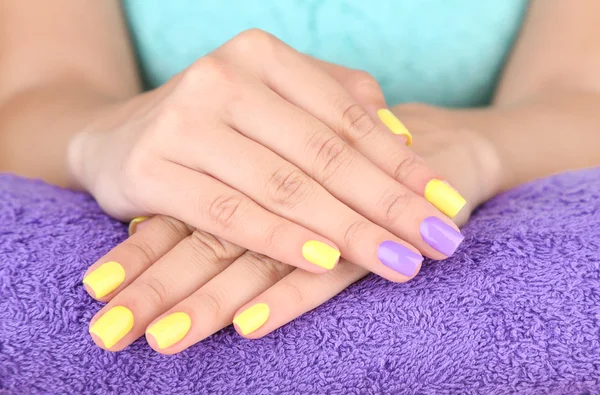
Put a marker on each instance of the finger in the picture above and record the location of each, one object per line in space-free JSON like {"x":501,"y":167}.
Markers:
{"x":339,"y":170}
{"x":367,"y":92}
{"x":187,"y":267}
{"x":288,"y":192}
{"x":292,"y":296}
{"x":211,"y":308}
{"x":365,"y":89}
{"x":208,"y":204}
{"x":331,"y":103}
{"x":121,"y":265}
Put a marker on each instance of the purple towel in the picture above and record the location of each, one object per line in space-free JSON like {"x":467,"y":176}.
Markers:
{"x":517,"y":309}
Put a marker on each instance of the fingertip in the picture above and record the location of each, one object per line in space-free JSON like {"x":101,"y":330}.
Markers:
{"x":104,"y":279}
{"x":98,"y":341}
{"x":153,"y":343}
{"x":394,"y":125}
{"x":403,"y":278}
{"x":403,"y":259}
{"x":249,"y":320}
{"x":135,"y":224}
{"x":89,"y":290}
{"x":321,"y":254}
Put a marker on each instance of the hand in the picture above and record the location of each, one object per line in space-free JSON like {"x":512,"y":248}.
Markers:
{"x":260,"y":145}
{"x":180,"y":286}
{"x":194,"y":284}
{"x":465,"y":158}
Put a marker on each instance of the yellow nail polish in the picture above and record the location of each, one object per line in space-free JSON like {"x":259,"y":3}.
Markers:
{"x":113,"y":325}
{"x":444,"y":197}
{"x":394,"y":124}
{"x":252,"y":318}
{"x":105,"y":279}
{"x":320,"y":254}
{"x":134,"y":223}
{"x":170,"y":329}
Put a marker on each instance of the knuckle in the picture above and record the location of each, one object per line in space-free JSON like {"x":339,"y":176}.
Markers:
{"x":287,"y":187}
{"x":205,"y":72}
{"x":138,"y":252}
{"x":406,"y":166}
{"x":225,"y":210}
{"x":266,"y":269}
{"x":254,"y":41}
{"x":354,"y":232}
{"x":332,"y":154}
{"x":212,"y":301}
{"x":293,"y":293}
{"x":363,"y":81}
{"x":174,"y":226}
{"x":212,"y":247}
{"x":356,"y":123}
{"x":275,"y":234}
{"x":394,"y":204}
{"x":153,"y":290}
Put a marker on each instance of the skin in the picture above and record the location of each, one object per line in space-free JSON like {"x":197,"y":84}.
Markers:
{"x":550,"y":85}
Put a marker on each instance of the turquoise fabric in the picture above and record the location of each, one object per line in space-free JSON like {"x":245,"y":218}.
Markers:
{"x":445,"y":52}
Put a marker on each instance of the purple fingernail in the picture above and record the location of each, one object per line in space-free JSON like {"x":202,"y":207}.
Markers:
{"x":440,"y":235}
{"x":399,"y":258}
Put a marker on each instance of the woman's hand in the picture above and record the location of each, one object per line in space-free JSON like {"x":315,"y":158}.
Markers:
{"x":259,"y":145}
{"x":464,"y":157}
{"x":179,"y":286}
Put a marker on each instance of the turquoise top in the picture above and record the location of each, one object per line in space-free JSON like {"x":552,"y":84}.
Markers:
{"x":445,"y":52}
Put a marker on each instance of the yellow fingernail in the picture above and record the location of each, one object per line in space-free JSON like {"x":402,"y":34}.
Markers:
{"x":113,"y":325}
{"x":444,"y":197}
{"x":394,"y":124}
{"x":252,"y":318}
{"x":320,"y":254}
{"x":170,"y":329}
{"x":105,"y":279}
{"x":134,"y":223}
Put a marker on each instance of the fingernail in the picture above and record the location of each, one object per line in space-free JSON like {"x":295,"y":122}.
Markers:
{"x":444,"y":197}
{"x":105,"y":279}
{"x":252,"y":318}
{"x":440,"y":235}
{"x":170,"y":329}
{"x":399,"y":258}
{"x":113,"y":325}
{"x":134,"y":224}
{"x":394,"y":124}
{"x":320,"y":254}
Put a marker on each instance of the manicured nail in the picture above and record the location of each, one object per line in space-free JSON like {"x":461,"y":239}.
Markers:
{"x":105,"y":279}
{"x":444,"y":197}
{"x":134,"y":224}
{"x":440,"y":235}
{"x":252,"y":318}
{"x":394,"y":124}
{"x":170,"y":329}
{"x":399,"y":258}
{"x":113,"y":325}
{"x":320,"y":254}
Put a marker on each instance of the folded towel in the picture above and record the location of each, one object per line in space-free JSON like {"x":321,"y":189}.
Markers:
{"x":516,"y":309}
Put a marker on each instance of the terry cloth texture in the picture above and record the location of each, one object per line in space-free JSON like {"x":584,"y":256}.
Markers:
{"x":516,"y":310}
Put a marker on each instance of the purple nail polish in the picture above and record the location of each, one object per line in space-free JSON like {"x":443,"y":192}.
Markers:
{"x":440,"y":235}
{"x":399,"y":258}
